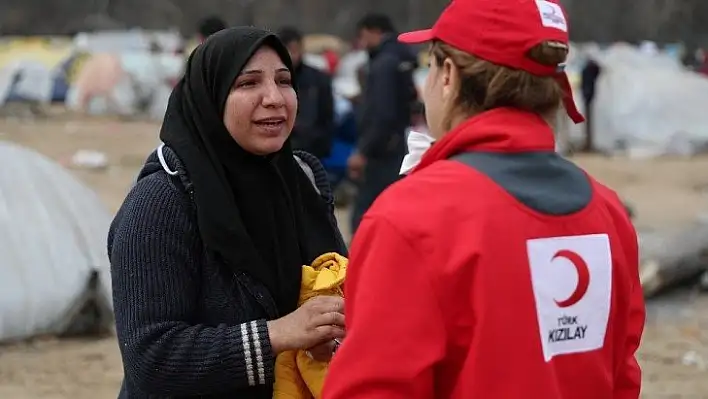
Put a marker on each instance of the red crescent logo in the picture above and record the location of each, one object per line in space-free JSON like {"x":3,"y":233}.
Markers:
{"x":583,"y":277}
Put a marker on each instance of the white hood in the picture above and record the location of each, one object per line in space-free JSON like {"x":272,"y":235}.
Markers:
{"x":418,"y":144}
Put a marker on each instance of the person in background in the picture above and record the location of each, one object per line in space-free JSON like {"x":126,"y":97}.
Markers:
{"x":388,"y":97}
{"x":314,"y":125}
{"x":701,"y":61}
{"x":418,"y":122}
{"x":210,"y":25}
{"x":207,"y":249}
{"x":343,"y":142}
{"x":332,"y":61}
{"x":589,"y":75}
{"x":496,"y":268}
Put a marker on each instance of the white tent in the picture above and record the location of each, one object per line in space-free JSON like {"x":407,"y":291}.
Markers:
{"x":34,"y":81}
{"x":346,"y":81}
{"x":120,"y":40}
{"x":648,"y":105}
{"x":54,"y":271}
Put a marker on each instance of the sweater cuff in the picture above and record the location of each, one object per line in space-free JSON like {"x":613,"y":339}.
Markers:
{"x":258,"y":353}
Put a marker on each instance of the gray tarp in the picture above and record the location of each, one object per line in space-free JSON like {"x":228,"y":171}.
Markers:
{"x":52,"y":241}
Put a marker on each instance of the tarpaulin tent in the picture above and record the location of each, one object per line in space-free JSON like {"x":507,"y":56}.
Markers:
{"x":128,"y":72}
{"x":53,"y":262}
{"x":37,"y":69}
{"x":648,"y":104}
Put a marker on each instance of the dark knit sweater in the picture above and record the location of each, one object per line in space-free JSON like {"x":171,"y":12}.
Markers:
{"x":187,"y":327}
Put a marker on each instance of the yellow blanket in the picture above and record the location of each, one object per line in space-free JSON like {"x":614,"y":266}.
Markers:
{"x":297,"y":376}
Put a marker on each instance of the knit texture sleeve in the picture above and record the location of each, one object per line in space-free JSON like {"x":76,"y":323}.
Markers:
{"x":155,"y":255}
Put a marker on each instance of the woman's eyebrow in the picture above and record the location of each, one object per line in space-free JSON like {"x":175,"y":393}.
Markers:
{"x":259,"y":71}
{"x":251,"y":72}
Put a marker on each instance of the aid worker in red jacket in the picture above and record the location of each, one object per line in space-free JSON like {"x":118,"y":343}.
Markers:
{"x":497,"y":269}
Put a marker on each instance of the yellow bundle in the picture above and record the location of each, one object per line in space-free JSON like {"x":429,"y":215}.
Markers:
{"x":297,"y":375}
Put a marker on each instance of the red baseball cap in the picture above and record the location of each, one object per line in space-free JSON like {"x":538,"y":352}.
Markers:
{"x":503,"y":32}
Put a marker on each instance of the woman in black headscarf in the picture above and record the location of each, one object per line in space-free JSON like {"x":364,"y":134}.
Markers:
{"x":208,"y":247}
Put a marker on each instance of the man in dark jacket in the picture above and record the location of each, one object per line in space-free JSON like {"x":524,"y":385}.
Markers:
{"x":314,"y":125}
{"x":388,"y":99}
{"x":210,"y":25}
{"x":589,"y":75}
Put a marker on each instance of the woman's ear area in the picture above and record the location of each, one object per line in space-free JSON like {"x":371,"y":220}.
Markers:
{"x":449,"y":78}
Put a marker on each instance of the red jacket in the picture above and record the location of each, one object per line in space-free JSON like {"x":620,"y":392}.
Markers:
{"x":457,"y":289}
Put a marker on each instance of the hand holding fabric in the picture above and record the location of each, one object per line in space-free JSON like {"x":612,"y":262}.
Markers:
{"x":317,"y":321}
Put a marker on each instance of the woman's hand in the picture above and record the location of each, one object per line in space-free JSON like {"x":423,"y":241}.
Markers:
{"x":324,"y":352}
{"x":317,"y":321}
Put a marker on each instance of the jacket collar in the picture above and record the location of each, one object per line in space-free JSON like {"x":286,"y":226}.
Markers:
{"x":499,"y":130}
{"x":386,"y":39}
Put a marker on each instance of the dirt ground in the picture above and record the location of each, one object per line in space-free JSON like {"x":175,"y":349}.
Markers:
{"x":665,"y":193}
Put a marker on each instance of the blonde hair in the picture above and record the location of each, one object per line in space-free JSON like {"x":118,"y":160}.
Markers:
{"x":484,"y":85}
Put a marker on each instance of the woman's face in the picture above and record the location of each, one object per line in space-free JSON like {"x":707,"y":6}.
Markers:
{"x":260,"y":110}
{"x":438,"y":92}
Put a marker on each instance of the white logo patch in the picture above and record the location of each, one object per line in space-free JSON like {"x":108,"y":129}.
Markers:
{"x":552,"y":15}
{"x":572,"y":284}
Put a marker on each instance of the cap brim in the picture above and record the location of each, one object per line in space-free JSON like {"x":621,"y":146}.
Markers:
{"x":415,"y":37}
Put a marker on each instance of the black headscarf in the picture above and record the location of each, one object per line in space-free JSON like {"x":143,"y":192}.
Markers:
{"x":250,"y":208}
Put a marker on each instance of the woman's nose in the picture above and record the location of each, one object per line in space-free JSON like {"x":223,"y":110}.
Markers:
{"x":273,"y":96}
